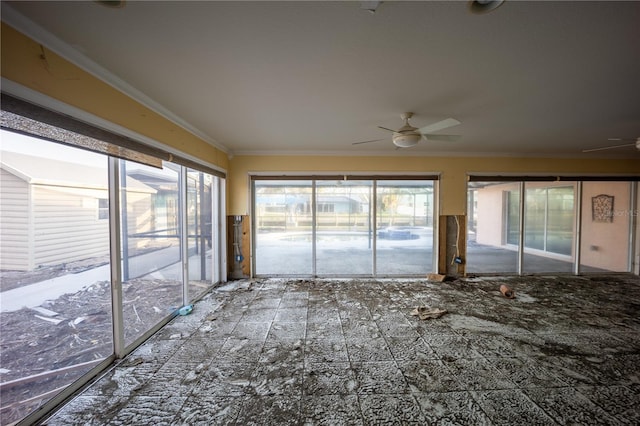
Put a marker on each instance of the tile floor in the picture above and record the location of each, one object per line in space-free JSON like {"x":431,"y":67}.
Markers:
{"x":566,"y":350}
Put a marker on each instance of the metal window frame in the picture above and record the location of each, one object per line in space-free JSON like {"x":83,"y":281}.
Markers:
{"x":115,"y":194}
{"x":183,"y":184}
{"x":578,"y":211}
{"x":314,"y":178}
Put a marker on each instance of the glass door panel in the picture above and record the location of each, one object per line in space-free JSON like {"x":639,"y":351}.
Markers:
{"x":152,"y":271}
{"x":404,"y":227}
{"x":560,"y":221}
{"x":549,"y":231}
{"x":200,"y":231}
{"x":513,"y":216}
{"x":283,"y":227}
{"x":55,"y":309}
{"x":344,"y":232}
{"x":494,"y":227}
{"x":535,"y":218}
{"x":218,"y":242}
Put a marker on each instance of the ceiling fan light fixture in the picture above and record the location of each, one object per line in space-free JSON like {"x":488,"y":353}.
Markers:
{"x":480,"y":7}
{"x":404,"y":140}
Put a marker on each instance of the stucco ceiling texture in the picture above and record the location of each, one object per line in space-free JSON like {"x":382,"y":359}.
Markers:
{"x":529,"y":78}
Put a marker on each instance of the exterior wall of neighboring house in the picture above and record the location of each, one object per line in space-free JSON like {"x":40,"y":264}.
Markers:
{"x":66,"y":224}
{"x":14,"y":223}
{"x":338,"y":205}
{"x":56,"y":217}
{"x":604,"y":244}
{"x":490,"y":214}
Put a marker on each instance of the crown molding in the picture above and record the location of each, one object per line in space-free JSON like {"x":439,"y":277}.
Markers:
{"x":408,"y":152}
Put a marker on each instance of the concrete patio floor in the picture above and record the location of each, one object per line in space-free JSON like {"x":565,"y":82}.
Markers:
{"x":566,"y":350}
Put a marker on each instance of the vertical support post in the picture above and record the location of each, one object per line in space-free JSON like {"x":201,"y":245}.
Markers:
{"x":314,"y":207}
{"x":578,"y":228}
{"x":125,"y":220}
{"x":373,"y":210}
{"x":115,"y":232}
{"x":183,"y":191}
{"x":254,"y":225}
{"x":203,"y":231}
{"x":546,"y":219}
{"x":521,"y":228}
{"x":435,"y":226}
{"x":222,"y":230}
{"x":634,"y":248}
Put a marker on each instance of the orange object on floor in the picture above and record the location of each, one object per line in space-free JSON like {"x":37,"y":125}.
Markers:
{"x":507,"y":292}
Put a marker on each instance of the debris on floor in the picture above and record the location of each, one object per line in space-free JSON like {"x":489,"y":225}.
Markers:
{"x":436,"y":277}
{"x":185,"y":310}
{"x":424,"y":313}
{"x":344,"y":351}
{"x":507,"y":292}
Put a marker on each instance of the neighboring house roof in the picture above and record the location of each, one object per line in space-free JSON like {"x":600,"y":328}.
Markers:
{"x":46,"y":171}
{"x":293,"y":198}
{"x":159,"y":180}
{"x":337,"y":199}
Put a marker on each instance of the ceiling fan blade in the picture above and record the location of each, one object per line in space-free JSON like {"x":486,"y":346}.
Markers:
{"x":608,"y":147}
{"x":449,"y":122}
{"x":445,"y":138}
{"x":384,"y":128}
{"x":372,"y":140}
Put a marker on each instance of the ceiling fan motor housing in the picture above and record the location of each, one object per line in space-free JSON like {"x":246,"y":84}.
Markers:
{"x":406,"y":140}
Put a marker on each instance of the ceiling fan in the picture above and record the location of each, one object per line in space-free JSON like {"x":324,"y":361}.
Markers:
{"x":408,"y":136}
{"x":636,"y":144}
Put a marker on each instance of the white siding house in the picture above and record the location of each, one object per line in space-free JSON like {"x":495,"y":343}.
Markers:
{"x":54,"y":212}
{"x":14,"y":222}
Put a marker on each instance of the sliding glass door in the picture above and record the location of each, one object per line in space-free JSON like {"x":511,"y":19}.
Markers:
{"x":64,"y":310}
{"x":404,"y":226}
{"x":553,"y":212}
{"x":201,"y":192}
{"x":55,"y":308}
{"x":493,"y":227}
{"x":343,"y":227}
{"x":151,"y":237}
{"x":549,"y":227}
{"x":283,"y":211}
{"x":344,"y":231}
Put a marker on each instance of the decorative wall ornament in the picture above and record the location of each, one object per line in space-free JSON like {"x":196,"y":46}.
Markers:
{"x":602,"y":208}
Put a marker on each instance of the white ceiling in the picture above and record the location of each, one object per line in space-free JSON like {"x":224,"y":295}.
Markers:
{"x":529,"y":78}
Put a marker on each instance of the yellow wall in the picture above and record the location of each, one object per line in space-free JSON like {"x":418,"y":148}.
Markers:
{"x":453,"y":170}
{"x":23,"y":63}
